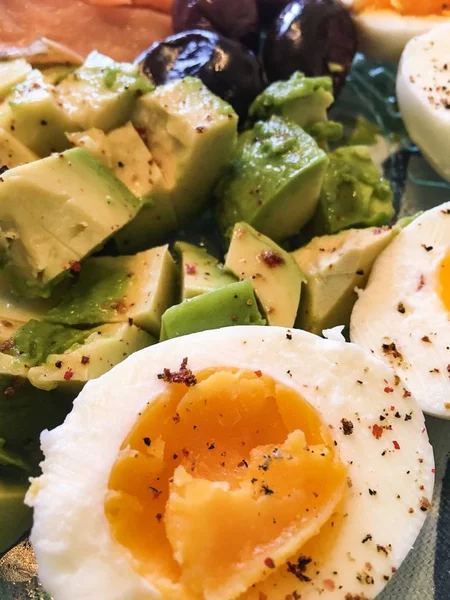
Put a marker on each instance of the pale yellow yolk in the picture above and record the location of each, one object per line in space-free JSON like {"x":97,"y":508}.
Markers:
{"x":405,"y":7}
{"x":221,"y":483}
{"x":444,"y":282}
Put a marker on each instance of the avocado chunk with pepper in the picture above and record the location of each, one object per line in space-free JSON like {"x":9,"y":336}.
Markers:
{"x":303,"y":100}
{"x":275,"y":276}
{"x":102,"y":92}
{"x":200,"y":272}
{"x":12,"y":72}
{"x":12,"y":152}
{"x":191,"y":133}
{"x":54,"y":212}
{"x":354,"y":193}
{"x":334,"y":266}
{"x":233,"y":304}
{"x":102,"y":349}
{"x":139,"y":288}
{"x":33,"y":114}
{"x":124,"y":151}
{"x":274,"y":180}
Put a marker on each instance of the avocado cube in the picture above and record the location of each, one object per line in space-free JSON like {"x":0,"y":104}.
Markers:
{"x":233,"y":304}
{"x":102,"y":349}
{"x":102,"y":93}
{"x":274,"y":181}
{"x":124,"y":151}
{"x":354,"y":193}
{"x":54,"y":212}
{"x":192,"y":135}
{"x":33,"y":114}
{"x":12,"y":72}
{"x":137,"y":288}
{"x":334,"y":266}
{"x":12,"y":152}
{"x":303,"y":100}
{"x":200,"y":272}
{"x":275,"y":276}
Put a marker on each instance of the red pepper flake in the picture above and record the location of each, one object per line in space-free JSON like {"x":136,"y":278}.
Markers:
{"x":184,"y":375}
{"x":421,"y":283}
{"x":377,"y":431}
{"x":396,"y":445}
{"x":85,"y":360}
{"x":426,"y":339}
{"x":433,"y":470}
{"x":392,"y":407}
{"x":74,"y":266}
{"x":406,"y":393}
{"x":258,"y":373}
{"x":269,"y":562}
{"x":190,"y":269}
{"x":329,"y":584}
{"x":388,"y":390}
{"x":271,"y":258}
{"x":68,"y":375}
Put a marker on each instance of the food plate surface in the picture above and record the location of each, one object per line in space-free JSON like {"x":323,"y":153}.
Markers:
{"x":425,"y":575}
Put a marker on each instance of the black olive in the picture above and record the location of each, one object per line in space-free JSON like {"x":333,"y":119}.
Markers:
{"x":317,"y":37}
{"x":225,"y":66}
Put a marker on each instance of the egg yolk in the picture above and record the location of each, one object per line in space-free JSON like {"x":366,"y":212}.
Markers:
{"x":220,"y":483}
{"x":404,"y":7}
{"x":444,"y":282}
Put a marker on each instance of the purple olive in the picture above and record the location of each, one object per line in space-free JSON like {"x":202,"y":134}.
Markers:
{"x":236,"y":19}
{"x":269,"y":9}
{"x":225,"y":66}
{"x":317,"y":37}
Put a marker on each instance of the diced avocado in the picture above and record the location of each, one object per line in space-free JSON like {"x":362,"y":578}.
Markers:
{"x":324,"y":132}
{"x":102,"y":93}
{"x":57,"y":73}
{"x":273,"y":273}
{"x":200,"y":272}
{"x":33,"y":114}
{"x":191,"y":134}
{"x":301,"y":99}
{"x":334,"y":265}
{"x":124,"y":151}
{"x":16,"y":516}
{"x":139,"y":288}
{"x":101,"y":350}
{"x":16,"y":310}
{"x":12,"y":152}
{"x":134,"y":164}
{"x":274,"y":181}
{"x":11,"y":73}
{"x":233,"y":304}
{"x":54,"y":212}
{"x":354,"y":192}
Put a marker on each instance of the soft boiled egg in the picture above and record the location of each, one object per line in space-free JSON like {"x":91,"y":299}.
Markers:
{"x":243,"y":463}
{"x":385,"y":26}
{"x":423,"y":92}
{"x":403,"y":315}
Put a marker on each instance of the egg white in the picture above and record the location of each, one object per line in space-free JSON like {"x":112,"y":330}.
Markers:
{"x":79,"y":560}
{"x":406,"y":272}
{"x":384,"y":33}
{"x":423,"y":92}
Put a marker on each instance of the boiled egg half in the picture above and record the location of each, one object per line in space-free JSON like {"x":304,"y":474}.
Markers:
{"x":243,"y":463}
{"x":403,"y":315}
{"x":385,"y":26}
{"x":423,"y":92}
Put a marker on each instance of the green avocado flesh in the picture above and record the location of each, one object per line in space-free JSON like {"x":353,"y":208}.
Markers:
{"x":12,"y":73}
{"x":274,"y":181}
{"x":354,"y":193}
{"x":200,"y":272}
{"x":55,"y":211}
{"x":303,"y":100}
{"x":115,"y":289}
{"x":233,"y":304}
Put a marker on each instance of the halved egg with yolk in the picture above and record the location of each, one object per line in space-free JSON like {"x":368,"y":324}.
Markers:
{"x":247,"y":463}
{"x":386,"y":26}
{"x":235,"y":452}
